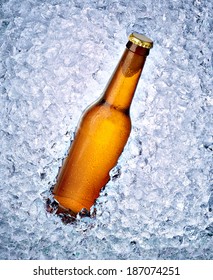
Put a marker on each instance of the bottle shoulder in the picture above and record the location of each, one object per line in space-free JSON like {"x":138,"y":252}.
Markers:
{"x":106,"y":110}
{"x":103,"y":112}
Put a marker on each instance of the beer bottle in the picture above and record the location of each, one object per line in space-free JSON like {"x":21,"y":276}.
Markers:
{"x":101,"y":134}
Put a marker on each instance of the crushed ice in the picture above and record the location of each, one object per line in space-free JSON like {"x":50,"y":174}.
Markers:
{"x":56,"y":57}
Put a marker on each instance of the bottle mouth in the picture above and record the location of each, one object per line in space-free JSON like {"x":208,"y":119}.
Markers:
{"x":137,"y":49}
{"x":141,"y":40}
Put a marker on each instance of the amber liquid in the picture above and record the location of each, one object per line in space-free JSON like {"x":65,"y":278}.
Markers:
{"x":100,"y":138}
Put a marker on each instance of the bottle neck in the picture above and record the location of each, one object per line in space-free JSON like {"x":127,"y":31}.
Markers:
{"x":122,"y":85}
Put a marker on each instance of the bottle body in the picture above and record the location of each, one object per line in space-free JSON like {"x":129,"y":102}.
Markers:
{"x":99,"y":141}
{"x":101,"y":136}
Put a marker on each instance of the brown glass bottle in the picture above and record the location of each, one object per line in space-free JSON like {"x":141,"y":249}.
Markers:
{"x":102,"y":133}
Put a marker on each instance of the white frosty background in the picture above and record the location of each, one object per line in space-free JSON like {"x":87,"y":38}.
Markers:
{"x":56,"y":58}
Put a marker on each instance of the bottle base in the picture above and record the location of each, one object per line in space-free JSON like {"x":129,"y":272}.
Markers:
{"x":66,"y":204}
{"x":67,"y":215}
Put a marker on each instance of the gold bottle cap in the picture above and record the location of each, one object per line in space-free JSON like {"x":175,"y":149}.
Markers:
{"x":141,"y":40}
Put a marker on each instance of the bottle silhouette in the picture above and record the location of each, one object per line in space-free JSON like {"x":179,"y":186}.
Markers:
{"x":101,"y":134}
